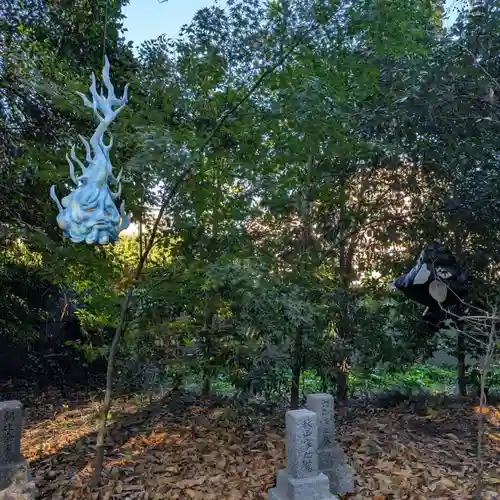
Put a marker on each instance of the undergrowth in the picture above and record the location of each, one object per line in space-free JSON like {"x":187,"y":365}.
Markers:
{"x":413,"y":380}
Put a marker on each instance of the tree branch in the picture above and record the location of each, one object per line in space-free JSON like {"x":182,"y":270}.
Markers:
{"x":99,"y":459}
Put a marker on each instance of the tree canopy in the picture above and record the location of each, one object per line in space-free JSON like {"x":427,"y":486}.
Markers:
{"x":296,"y":156}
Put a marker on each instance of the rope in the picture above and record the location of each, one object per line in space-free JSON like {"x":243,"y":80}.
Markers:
{"x":104,"y":38}
{"x":105,"y":32}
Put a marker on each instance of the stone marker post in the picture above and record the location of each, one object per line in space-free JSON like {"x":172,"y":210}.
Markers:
{"x":301,"y":480}
{"x":331,"y":459}
{"x":15,"y":481}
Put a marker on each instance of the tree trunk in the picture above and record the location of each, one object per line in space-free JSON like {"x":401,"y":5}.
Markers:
{"x":297,"y":364}
{"x":461,"y":367}
{"x":461,"y":346}
{"x":295,"y":390}
{"x":208,"y":368}
{"x":106,"y":406}
{"x":172,"y":192}
{"x":297,"y":360}
{"x":177,"y":384}
{"x":207,"y":385}
{"x":324,"y":383}
{"x":342,"y":385}
{"x":347,"y":249}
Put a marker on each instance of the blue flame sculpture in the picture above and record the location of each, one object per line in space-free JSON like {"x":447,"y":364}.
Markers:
{"x":89,"y":212}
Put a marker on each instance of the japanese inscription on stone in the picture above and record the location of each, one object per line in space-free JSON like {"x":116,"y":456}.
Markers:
{"x":302,"y":443}
{"x":11,"y":414}
{"x":322,"y":405}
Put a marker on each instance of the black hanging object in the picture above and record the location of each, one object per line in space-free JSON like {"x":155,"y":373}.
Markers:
{"x":435,"y":263}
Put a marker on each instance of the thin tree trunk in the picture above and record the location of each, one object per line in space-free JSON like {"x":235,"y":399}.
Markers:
{"x":488,"y":359}
{"x":295,"y":389}
{"x":297,"y":361}
{"x":342,"y":385}
{"x":461,"y":344}
{"x":344,"y":272}
{"x":461,"y":366}
{"x":207,"y":385}
{"x":120,"y":328}
{"x":101,"y":434}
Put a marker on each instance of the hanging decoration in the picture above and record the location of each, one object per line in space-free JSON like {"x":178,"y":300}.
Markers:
{"x":88,"y":213}
{"x":437,"y":281}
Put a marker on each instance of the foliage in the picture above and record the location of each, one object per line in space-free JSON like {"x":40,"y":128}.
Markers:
{"x":361,"y":132}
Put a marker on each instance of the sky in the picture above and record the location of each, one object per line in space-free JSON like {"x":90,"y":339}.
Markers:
{"x":148,"y":19}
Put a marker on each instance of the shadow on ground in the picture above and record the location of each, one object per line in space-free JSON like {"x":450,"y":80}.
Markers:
{"x":184,"y":446}
{"x":182,"y":427}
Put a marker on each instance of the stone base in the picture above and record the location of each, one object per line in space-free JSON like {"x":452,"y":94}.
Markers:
{"x":25,"y":491}
{"x":309,"y":488}
{"x":341,"y":479}
{"x":328,"y":457}
{"x":14,"y":473}
{"x":333,"y":462}
{"x":16,"y":482}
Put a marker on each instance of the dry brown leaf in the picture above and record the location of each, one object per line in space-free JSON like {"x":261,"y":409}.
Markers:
{"x":185,"y":449}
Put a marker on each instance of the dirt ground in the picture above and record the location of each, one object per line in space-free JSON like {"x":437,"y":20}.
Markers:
{"x":184,"y":446}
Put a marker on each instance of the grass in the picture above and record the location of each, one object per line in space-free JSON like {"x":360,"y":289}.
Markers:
{"x":416,"y":378}
{"x":419,"y":378}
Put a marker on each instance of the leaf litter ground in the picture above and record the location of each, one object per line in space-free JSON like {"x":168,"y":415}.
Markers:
{"x":185,"y":446}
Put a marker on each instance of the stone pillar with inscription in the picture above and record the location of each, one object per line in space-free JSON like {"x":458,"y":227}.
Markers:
{"x":301,"y":480}
{"x":15,"y":480}
{"x":331,"y":459}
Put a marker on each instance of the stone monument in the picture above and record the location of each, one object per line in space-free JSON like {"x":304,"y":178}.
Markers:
{"x":301,"y":480}
{"x":15,"y":480}
{"x":331,"y":459}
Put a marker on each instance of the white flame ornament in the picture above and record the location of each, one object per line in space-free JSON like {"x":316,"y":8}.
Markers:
{"x":89,"y":212}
